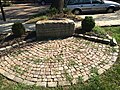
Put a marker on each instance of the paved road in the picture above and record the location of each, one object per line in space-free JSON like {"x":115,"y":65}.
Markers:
{"x":21,"y":12}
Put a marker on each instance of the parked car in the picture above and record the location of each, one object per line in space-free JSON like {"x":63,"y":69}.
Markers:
{"x":79,"y":6}
{"x":44,"y":2}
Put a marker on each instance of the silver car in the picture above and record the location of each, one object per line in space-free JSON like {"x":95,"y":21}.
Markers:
{"x":79,"y":6}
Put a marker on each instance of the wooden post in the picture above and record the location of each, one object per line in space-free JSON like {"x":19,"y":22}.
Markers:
{"x":2,"y":11}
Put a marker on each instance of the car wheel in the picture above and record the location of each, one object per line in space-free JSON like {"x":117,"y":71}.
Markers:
{"x":43,"y":3}
{"x":76,"y":11}
{"x":110,"y":10}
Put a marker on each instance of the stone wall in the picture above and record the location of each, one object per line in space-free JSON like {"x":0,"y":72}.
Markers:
{"x":55,"y":28}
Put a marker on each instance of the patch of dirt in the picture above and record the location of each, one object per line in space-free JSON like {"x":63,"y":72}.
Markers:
{"x":12,"y":39}
{"x":57,"y":16}
{"x":70,"y":16}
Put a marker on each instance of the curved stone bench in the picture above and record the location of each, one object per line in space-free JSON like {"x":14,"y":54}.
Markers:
{"x":55,"y":28}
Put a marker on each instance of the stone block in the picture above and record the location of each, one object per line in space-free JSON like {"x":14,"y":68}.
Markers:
{"x":113,"y":42}
{"x":54,"y":28}
{"x":44,"y":84}
{"x":52,"y":84}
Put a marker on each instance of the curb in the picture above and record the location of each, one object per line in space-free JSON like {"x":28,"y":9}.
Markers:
{"x":16,"y":44}
{"x":111,"y":41}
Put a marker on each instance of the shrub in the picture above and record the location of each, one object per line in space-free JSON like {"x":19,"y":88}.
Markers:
{"x":18,"y":29}
{"x":88,"y":23}
{"x":67,"y":11}
{"x":52,"y":12}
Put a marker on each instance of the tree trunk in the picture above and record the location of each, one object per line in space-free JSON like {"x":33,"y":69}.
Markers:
{"x":58,"y":4}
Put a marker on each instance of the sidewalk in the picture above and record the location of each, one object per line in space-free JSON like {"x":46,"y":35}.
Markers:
{"x":6,"y":27}
{"x":102,"y":23}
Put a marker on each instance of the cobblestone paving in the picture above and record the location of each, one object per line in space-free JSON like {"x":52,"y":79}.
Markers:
{"x":50,"y":63}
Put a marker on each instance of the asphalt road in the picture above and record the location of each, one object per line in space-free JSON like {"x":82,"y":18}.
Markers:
{"x":24,"y":11}
{"x":21,"y":12}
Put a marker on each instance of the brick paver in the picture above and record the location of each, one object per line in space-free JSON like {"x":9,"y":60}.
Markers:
{"x":50,"y":63}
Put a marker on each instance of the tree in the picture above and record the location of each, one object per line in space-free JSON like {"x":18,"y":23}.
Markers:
{"x":58,"y":4}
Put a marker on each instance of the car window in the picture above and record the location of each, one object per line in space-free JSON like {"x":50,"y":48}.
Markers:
{"x":86,"y":2}
{"x":79,"y":2}
{"x":96,"y":1}
{"x":73,"y":2}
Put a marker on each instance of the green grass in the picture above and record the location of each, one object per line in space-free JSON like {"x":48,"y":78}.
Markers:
{"x":114,"y":31}
{"x":99,"y":30}
{"x":18,"y":69}
{"x":110,"y":80}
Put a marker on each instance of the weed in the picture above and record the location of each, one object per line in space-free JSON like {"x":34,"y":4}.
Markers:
{"x":36,"y":61}
{"x":68,"y":77}
{"x":72,"y":63}
{"x":46,"y":59}
{"x":87,"y":42}
{"x":59,"y":57}
{"x":102,"y":62}
{"x":18,"y":69}
{"x":113,"y":49}
{"x":17,"y":52}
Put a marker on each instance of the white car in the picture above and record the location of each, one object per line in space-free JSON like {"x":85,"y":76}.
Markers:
{"x":79,"y":6}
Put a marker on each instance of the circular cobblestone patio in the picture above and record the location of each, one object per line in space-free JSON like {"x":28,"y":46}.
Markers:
{"x":49,"y":63}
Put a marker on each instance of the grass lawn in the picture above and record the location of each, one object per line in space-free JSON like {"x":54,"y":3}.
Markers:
{"x":110,"y":80}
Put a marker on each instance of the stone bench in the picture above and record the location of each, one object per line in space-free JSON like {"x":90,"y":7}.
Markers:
{"x":54,"y":28}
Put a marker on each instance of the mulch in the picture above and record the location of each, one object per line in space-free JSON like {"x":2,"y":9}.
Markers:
{"x":9,"y":40}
